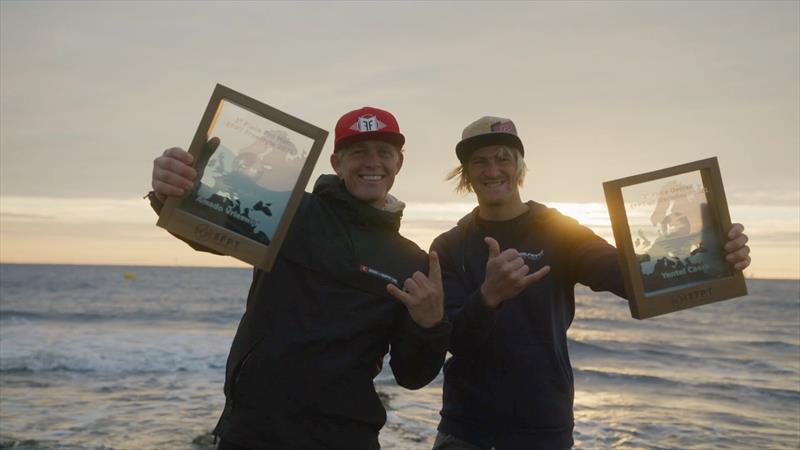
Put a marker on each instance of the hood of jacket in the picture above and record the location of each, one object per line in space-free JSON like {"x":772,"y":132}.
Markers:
{"x":359,"y":212}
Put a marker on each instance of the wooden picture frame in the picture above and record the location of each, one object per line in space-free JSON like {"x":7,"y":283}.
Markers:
{"x":253,"y":163}
{"x":670,"y":226}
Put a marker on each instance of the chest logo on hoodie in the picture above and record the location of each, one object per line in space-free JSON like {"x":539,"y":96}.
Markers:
{"x":379,"y":274}
{"x":532,"y":256}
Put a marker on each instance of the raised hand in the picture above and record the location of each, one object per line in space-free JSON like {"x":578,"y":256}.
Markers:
{"x":506,"y":274}
{"x":423,"y":296}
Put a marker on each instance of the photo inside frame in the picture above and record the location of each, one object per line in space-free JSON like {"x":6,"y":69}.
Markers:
{"x":674,"y":233}
{"x":247,"y":179}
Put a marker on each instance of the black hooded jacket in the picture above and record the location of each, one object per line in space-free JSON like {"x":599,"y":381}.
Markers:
{"x":317,"y":327}
{"x":509,"y":383}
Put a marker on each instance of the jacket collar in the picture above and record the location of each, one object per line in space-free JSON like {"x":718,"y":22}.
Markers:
{"x":536,"y":211}
{"x":332,"y":188}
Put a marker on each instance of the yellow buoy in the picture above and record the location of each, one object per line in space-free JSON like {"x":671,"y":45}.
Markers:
{"x":129,"y":275}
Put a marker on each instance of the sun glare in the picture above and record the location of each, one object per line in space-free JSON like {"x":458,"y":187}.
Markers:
{"x":123,"y":232}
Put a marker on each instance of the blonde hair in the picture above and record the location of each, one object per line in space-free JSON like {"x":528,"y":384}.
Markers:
{"x":460,"y":172}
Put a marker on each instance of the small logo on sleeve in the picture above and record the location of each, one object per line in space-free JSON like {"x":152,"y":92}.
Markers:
{"x":381,"y":275}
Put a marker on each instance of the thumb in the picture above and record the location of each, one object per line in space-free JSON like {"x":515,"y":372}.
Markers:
{"x":494,"y":247}
{"x":212,"y":145}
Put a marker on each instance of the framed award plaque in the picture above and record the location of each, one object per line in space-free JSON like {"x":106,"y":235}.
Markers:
{"x":253,"y":162}
{"x":670,"y":227}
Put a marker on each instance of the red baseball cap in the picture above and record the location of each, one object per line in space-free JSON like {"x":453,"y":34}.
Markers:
{"x":367,"y":123}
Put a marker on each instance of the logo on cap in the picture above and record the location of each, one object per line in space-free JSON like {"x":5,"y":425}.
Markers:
{"x":504,"y":127}
{"x":368,"y":122}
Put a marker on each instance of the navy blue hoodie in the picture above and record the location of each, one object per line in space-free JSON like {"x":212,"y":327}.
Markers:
{"x":509,"y":383}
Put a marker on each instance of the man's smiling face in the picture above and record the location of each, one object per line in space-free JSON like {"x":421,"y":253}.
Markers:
{"x":368,"y":169}
{"x":492,"y":173}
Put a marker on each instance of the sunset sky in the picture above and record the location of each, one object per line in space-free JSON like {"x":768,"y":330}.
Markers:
{"x":92,"y":92}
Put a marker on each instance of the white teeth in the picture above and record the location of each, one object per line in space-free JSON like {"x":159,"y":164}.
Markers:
{"x":372,"y":177}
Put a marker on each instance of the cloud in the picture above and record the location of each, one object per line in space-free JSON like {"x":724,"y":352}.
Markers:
{"x":773,"y":196}
{"x":76,"y":210}
{"x":16,"y":217}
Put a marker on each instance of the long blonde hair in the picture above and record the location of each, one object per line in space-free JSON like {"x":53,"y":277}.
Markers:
{"x":460,"y":172}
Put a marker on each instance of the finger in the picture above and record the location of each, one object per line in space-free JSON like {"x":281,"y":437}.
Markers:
{"x":515,"y":264}
{"x":167,"y":189}
{"x":741,"y":265}
{"x":435,"y":271}
{"x":520,"y":272}
{"x":494,"y":247}
{"x":212,"y":144}
{"x":737,"y":243}
{"x":179,"y":154}
{"x":172,"y":178}
{"x":411,"y":287}
{"x":506,"y":266}
{"x":420,"y":279}
{"x":535,"y":276}
{"x":395,"y":292}
{"x":177,"y":166}
{"x":738,"y":255}
{"x":508,"y":255}
{"x":736,"y":230}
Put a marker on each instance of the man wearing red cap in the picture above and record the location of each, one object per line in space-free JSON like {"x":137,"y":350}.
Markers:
{"x":509,"y":270}
{"x":317,"y":327}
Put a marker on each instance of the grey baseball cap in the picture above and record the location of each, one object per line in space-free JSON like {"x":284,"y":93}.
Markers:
{"x":488,"y":131}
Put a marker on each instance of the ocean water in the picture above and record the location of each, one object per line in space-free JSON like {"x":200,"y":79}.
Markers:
{"x":92,"y":360}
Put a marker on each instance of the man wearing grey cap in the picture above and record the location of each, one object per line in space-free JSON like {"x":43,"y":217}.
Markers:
{"x":509,"y":269}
